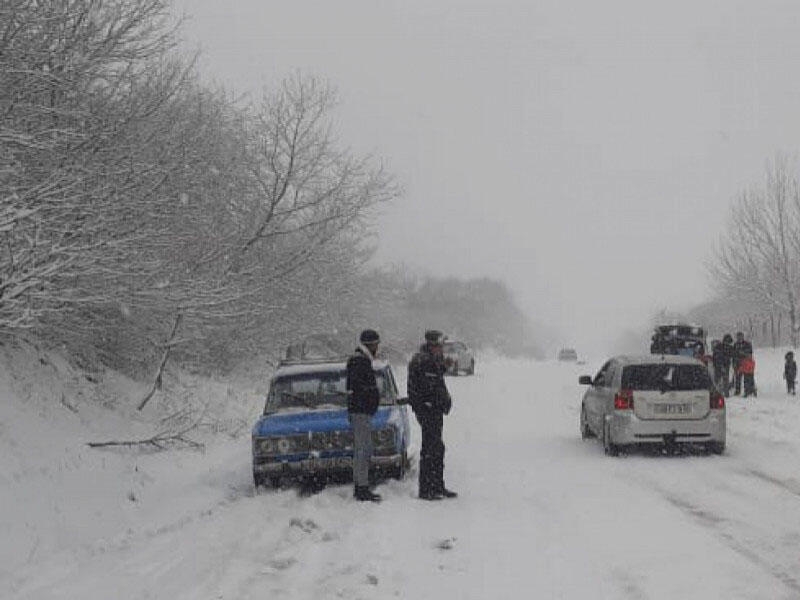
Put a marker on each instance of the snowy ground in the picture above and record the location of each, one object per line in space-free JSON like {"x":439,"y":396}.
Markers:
{"x":540,"y":512}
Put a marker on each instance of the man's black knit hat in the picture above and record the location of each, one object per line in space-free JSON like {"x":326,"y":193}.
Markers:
{"x":369,"y":336}
{"x":434,"y":336}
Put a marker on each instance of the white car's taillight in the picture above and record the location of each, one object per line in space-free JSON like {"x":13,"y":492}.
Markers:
{"x":623,"y":400}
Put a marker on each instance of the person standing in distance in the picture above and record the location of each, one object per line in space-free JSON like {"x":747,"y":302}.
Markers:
{"x":729,"y":359}
{"x":741,"y":349}
{"x":790,"y":372}
{"x":430,"y":401}
{"x":363,"y":398}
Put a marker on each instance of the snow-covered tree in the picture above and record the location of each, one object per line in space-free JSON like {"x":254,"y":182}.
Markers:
{"x":758,"y":259}
{"x":72,"y":75}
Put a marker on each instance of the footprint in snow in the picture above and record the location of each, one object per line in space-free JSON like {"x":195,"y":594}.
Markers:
{"x":306,"y":525}
{"x":281,"y":564}
{"x":446,"y":544}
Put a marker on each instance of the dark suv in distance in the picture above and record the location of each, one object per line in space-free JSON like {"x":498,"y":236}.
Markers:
{"x":677,"y":339}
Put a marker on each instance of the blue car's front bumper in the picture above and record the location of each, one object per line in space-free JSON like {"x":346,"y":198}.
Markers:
{"x":333,"y":459}
{"x":327,"y":465}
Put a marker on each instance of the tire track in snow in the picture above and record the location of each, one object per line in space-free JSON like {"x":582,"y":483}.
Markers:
{"x":734,"y":519}
{"x":713,"y":523}
{"x":791,"y":486}
{"x":131,"y":540}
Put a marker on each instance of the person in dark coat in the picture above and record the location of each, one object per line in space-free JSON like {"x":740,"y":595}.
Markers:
{"x":790,"y":372}
{"x":430,"y":401}
{"x":741,"y":349}
{"x":721,"y":359}
{"x":715,"y":359}
{"x":363,"y":398}
{"x":730,"y":353}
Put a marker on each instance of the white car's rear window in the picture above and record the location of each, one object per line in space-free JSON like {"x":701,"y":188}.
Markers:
{"x":665,"y":377}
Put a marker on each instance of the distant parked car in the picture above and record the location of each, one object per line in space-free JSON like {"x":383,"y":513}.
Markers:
{"x":458,"y":358}
{"x":304,"y":430}
{"x":568,"y":354}
{"x":653,"y":400}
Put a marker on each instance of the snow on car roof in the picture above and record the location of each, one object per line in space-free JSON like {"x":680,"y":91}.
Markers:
{"x":321,"y":367}
{"x":646,"y":359}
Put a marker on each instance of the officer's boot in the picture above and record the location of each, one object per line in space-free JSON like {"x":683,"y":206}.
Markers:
{"x":363,"y":494}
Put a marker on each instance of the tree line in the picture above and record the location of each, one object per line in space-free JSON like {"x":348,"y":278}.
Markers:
{"x":148,"y":218}
{"x":481,"y":312}
{"x":755,"y":267}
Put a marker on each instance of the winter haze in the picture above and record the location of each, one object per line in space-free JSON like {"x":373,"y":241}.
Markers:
{"x":585,"y":153}
{"x":190,"y":248}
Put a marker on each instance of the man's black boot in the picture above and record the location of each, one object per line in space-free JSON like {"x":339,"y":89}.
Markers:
{"x":428,"y":495}
{"x":448,"y":493}
{"x":364,"y":494}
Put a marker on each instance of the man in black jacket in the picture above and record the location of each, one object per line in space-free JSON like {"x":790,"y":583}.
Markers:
{"x":363,"y":398}
{"x":721,"y":359}
{"x":430,"y":401}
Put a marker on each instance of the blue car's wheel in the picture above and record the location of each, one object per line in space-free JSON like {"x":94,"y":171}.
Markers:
{"x":400,"y":471}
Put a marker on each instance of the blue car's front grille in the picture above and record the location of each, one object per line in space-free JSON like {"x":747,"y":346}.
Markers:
{"x":300,"y":443}
{"x":331,"y":440}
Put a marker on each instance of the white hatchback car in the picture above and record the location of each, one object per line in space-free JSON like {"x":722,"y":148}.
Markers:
{"x":653,"y":400}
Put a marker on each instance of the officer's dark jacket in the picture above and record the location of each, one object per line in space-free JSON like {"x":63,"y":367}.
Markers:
{"x":427,"y":392}
{"x":362,"y":388}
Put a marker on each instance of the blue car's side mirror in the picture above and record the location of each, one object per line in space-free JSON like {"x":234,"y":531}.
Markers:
{"x":585,"y":380}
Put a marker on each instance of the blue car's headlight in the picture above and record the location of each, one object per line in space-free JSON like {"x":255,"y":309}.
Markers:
{"x":384,"y":438}
{"x":281,"y":445}
{"x":267,"y":446}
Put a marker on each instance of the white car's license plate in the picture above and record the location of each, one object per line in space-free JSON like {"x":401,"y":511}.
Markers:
{"x":672,"y":409}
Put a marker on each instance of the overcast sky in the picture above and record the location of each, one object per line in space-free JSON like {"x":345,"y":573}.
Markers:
{"x":584,"y":152}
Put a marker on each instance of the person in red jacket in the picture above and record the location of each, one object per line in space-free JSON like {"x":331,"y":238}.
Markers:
{"x":747,"y":369}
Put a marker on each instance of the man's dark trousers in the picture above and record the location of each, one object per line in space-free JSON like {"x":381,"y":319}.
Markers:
{"x":431,"y":454}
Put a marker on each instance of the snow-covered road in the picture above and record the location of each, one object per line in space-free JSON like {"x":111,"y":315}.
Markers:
{"x":541,"y":514}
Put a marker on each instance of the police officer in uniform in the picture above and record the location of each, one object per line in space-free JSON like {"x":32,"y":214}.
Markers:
{"x":430,"y":401}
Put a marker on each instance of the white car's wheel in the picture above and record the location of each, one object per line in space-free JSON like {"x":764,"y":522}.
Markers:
{"x":586,"y":431}
{"x":609,"y":447}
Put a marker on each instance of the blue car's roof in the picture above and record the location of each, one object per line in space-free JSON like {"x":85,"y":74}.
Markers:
{"x":301,"y":368}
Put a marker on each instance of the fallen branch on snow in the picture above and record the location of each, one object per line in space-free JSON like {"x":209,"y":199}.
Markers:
{"x":160,"y":440}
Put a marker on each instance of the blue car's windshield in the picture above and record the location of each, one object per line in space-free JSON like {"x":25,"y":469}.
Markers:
{"x":318,"y":390}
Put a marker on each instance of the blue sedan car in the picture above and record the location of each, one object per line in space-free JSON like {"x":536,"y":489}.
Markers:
{"x":305,"y":432}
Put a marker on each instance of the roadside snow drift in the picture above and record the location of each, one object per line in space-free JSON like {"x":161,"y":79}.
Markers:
{"x":540,"y":514}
